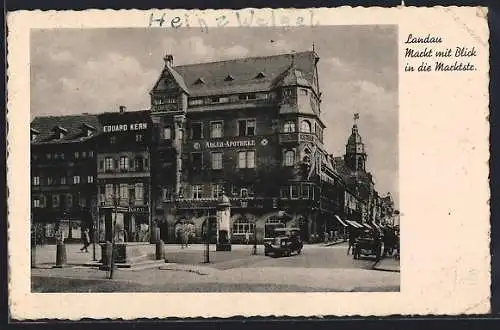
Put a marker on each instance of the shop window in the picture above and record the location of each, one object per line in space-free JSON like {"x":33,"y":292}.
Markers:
{"x":36,"y":180}
{"x":305,"y":126}
{"x":167,"y":133}
{"x":196,"y":131}
{"x":197,"y":191}
{"x":289,"y":126}
{"x":246,"y":127}
{"x":242,"y":226}
{"x":76,"y":179}
{"x":124,"y":163}
{"x":216,"y":160}
{"x":217,"y":190}
{"x":289,"y":158}
{"x":246,"y":159}
{"x":216,"y":128}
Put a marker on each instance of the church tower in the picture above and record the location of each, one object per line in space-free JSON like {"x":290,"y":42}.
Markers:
{"x":355,"y":156}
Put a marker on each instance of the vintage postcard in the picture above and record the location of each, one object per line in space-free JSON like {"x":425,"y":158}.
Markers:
{"x":254,"y":162}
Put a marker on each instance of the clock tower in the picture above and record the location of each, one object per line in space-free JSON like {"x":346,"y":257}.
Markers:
{"x":355,"y":155}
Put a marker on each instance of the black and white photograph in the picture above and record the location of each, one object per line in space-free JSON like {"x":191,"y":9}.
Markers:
{"x":240,"y":160}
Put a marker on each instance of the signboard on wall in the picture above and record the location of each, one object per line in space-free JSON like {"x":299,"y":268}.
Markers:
{"x":125,"y":127}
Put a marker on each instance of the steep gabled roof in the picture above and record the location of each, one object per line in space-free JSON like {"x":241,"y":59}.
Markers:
{"x":167,"y":73}
{"x":246,"y":73}
{"x":72,"y":124}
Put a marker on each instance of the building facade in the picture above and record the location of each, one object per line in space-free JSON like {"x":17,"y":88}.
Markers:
{"x":63,"y":174}
{"x":124,"y":176}
{"x":250,"y":129}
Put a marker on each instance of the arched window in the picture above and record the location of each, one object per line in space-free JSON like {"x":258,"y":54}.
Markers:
{"x":289,"y":126}
{"x":305,"y":126}
{"x":289,"y":158}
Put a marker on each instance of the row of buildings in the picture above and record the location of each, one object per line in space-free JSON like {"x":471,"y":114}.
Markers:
{"x":250,"y":129}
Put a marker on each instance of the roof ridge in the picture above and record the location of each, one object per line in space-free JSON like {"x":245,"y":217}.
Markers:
{"x":245,"y":58}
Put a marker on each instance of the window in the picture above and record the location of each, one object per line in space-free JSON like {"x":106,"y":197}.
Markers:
{"x":123,"y":191}
{"x":216,"y":160}
{"x":48,"y":156}
{"x":76,"y":155}
{"x":305,"y":126}
{"x":246,"y":159}
{"x":124,"y":163}
{"x":216,"y":128}
{"x":36,"y":202}
{"x":63,"y":180}
{"x":242,"y":226}
{"x":112,"y":140}
{"x":287,"y":92}
{"x":109,"y":191}
{"x":76,"y":179}
{"x":108,"y":163}
{"x":69,"y":201}
{"x":171,"y":100}
{"x":36,"y":180}
{"x":244,"y":97}
{"x":305,"y":191}
{"x":196,"y":131}
{"x":289,"y":158}
{"x":101,"y":164}
{"x":285,"y":192}
{"x":289,"y":126}
{"x":246,"y":127}
{"x":303,"y":91}
{"x":50,"y":180}
{"x":197,"y":191}
{"x":139,"y":192}
{"x":224,"y":99}
{"x":244,"y":193}
{"x":91,"y":153}
{"x":82,"y":202}
{"x":167,"y":133}
{"x":138,"y":163}
{"x":55,"y":201}
{"x":197,"y":101}
{"x":139,"y":138}
{"x":196,"y":160}
{"x":146,"y":164}
{"x":217,"y":190}
{"x":90,"y":179}
{"x":214,"y":99}
{"x":294,"y":191}
{"x":84,"y":154}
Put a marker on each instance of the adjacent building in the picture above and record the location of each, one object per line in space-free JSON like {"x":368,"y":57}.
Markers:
{"x":63,"y":173}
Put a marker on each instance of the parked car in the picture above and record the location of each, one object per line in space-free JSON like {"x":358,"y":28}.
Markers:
{"x":368,"y":244}
{"x":285,"y":243}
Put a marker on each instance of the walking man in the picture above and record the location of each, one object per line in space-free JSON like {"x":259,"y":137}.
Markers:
{"x":86,"y":240}
{"x":247,"y":237}
{"x":352,"y":238}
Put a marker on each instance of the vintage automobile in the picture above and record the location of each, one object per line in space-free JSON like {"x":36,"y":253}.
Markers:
{"x":367,"y":244}
{"x":286,"y":242}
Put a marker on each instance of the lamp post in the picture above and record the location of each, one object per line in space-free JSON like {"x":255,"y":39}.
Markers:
{"x":113,"y":224}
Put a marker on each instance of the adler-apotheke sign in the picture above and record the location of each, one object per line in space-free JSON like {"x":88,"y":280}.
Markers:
{"x":125,"y":127}
{"x":224,"y":144}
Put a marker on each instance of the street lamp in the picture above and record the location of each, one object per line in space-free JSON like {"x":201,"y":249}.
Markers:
{"x":116,"y":200}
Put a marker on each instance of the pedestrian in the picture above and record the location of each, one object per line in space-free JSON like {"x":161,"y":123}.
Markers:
{"x":326,"y":237}
{"x":352,"y":239}
{"x":86,"y":240}
{"x":247,"y":237}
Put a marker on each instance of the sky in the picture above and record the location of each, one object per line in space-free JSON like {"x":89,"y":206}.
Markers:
{"x":96,"y":70}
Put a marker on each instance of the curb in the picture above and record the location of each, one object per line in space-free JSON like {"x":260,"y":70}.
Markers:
{"x":375,"y":267}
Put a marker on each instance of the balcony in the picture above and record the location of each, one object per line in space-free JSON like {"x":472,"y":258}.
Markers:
{"x":297,"y":137}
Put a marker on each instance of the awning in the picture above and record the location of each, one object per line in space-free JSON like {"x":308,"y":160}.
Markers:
{"x":354,"y":223}
{"x":367,"y":225}
{"x":340,"y":220}
{"x":374,"y":224}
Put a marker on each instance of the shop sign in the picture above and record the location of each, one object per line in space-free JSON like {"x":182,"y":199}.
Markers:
{"x":139,"y":209}
{"x":229,"y":144}
{"x":125,"y":127}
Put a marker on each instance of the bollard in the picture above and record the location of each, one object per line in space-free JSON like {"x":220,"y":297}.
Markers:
{"x":60,"y":255}
{"x":160,"y":250}
{"x":106,"y":256}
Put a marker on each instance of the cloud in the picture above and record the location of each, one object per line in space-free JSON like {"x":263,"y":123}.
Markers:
{"x":63,"y":56}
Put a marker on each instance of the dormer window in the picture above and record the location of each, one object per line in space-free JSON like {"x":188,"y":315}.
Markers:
{"x":87,"y":129}
{"x":260,"y":75}
{"x":229,"y":78}
{"x":59,"y":132}
{"x":34,"y":134}
{"x":199,"y":81}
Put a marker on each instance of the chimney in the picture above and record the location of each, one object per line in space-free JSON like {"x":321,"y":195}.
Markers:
{"x":122,"y":108}
{"x":169,"y":60}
